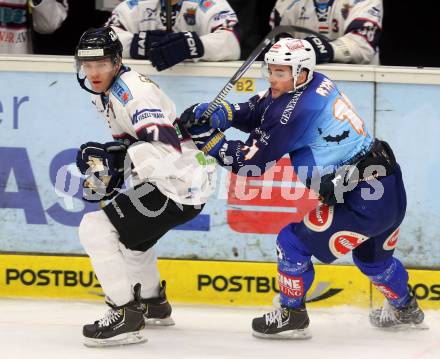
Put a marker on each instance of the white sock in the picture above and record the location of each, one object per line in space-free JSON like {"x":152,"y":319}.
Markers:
{"x":142,"y":268}
{"x":100,"y":240}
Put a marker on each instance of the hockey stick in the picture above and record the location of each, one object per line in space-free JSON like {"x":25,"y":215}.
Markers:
{"x":169,"y":25}
{"x":263,"y":45}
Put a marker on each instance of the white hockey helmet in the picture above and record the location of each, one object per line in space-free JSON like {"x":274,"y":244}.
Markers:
{"x":299,"y":54}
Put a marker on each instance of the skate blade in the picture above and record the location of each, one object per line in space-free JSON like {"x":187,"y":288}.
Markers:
{"x":158,"y":322}
{"x":403,"y":327}
{"x":121,"y":339}
{"x":298,"y":334}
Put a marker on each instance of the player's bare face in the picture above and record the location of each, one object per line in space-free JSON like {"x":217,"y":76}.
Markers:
{"x":280,"y":79}
{"x":100,"y":73}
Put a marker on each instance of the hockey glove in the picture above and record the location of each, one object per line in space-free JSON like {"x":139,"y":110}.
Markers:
{"x":98,"y":187}
{"x":174,"y":48}
{"x":221,"y":118}
{"x":191,"y":116}
{"x":334,"y":185}
{"x":323,"y":49}
{"x":103,"y":164}
{"x":96,"y":157}
{"x":142,"y":42}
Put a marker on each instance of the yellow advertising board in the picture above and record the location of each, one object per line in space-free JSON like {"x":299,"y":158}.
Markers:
{"x":196,"y":281}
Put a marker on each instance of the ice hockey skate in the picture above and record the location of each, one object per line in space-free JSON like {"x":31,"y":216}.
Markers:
{"x":282,"y":323}
{"x":391,"y":318}
{"x":157,"y":311}
{"x":121,"y":325}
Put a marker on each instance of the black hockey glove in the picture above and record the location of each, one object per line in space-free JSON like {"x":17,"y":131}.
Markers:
{"x":94,"y":156}
{"x":99,"y":187}
{"x":174,"y":48}
{"x":323,"y":49}
{"x":334,"y":185}
{"x":142,"y":42}
{"x":189,"y":118}
{"x":103,"y":165}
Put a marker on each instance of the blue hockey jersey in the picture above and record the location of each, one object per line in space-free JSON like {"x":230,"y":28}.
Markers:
{"x":316,"y":125}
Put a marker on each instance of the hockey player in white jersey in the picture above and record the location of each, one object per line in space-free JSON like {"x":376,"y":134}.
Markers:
{"x":201,"y":30}
{"x":352,"y":26}
{"x":46,"y":16}
{"x":171,"y":181}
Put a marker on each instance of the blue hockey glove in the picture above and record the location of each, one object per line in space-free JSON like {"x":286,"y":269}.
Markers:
{"x":142,"y":42}
{"x":174,"y":48}
{"x":221,"y":118}
{"x":323,"y":49}
{"x":213,"y":144}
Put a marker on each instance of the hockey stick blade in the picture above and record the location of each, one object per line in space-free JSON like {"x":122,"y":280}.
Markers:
{"x":263,"y":45}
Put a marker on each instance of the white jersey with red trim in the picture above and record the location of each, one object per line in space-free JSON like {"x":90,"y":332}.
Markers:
{"x":213,"y":20}
{"x":16,"y":17}
{"x":353,"y":26}
{"x":143,"y":117}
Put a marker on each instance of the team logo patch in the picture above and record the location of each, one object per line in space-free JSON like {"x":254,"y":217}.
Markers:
{"x":121,"y":91}
{"x":205,"y":5}
{"x":320,"y":218}
{"x":292,"y":287}
{"x":190,"y":16}
{"x":391,"y":242}
{"x":343,"y":242}
{"x":294,"y":44}
{"x":386,"y":291}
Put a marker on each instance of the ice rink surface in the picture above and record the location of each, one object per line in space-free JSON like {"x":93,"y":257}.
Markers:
{"x":45,"y":329}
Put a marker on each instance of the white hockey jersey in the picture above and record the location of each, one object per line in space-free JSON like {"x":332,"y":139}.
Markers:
{"x":162,"y":153}
{"x":213,"y":21}
{"x":16,"y":17}
{"x":353,"y":26}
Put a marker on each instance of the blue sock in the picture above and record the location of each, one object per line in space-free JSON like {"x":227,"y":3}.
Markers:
{"x":295,"y":268}
{"x":390,"y":278}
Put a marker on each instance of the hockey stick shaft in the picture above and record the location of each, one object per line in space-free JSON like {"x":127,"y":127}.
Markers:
{"x":169,"y":25}
{"x":263,"y":45}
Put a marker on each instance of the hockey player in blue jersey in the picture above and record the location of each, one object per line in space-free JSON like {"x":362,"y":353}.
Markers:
{"x":362,"y":197}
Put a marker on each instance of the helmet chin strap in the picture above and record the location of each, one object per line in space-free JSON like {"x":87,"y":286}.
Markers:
{"x":294,"y":79}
